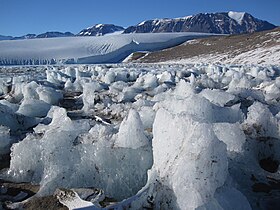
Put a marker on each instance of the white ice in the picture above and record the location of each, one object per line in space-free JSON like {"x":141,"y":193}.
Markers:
{"x":176,"y":136}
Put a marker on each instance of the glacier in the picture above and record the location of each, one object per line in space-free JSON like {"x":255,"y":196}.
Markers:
{"x":87,"y":50}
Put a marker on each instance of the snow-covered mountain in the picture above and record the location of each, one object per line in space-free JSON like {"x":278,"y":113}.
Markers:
{"x":100,"y":30}
{"x":27,"y":36}
{"x":50,"y":34}
{"x":5,"y":37}
{"x":220,"y":23}
{"x":54,"y":34}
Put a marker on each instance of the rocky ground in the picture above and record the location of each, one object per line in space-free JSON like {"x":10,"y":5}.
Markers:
{"x":16,"y":192}
{"x":219,"y":49}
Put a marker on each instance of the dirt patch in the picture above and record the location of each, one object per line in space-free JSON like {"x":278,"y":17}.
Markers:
{"x":12,"y":190}
{"x":15,"y":188}
{"x":48,"y":202}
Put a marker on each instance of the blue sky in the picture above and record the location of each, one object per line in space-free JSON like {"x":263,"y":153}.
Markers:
{"x":19,"y":17}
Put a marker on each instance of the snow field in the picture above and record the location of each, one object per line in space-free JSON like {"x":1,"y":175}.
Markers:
{"x":147,"y":136}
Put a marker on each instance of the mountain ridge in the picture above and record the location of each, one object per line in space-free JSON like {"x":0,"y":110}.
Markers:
{"x":49,"y":34}
{"x":220,"y":23}
{"x":100,"y":30}
{"x":3,"y":37}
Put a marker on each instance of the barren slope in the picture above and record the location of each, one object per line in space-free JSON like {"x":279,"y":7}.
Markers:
{"x":257,"y":48}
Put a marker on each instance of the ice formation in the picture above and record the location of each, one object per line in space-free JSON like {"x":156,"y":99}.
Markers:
{"x":131,"y":133}
{"x":192,"y":136}
{"x":192,"y":163}
{"x":34,"y":108}
{"x":5,"y":140}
